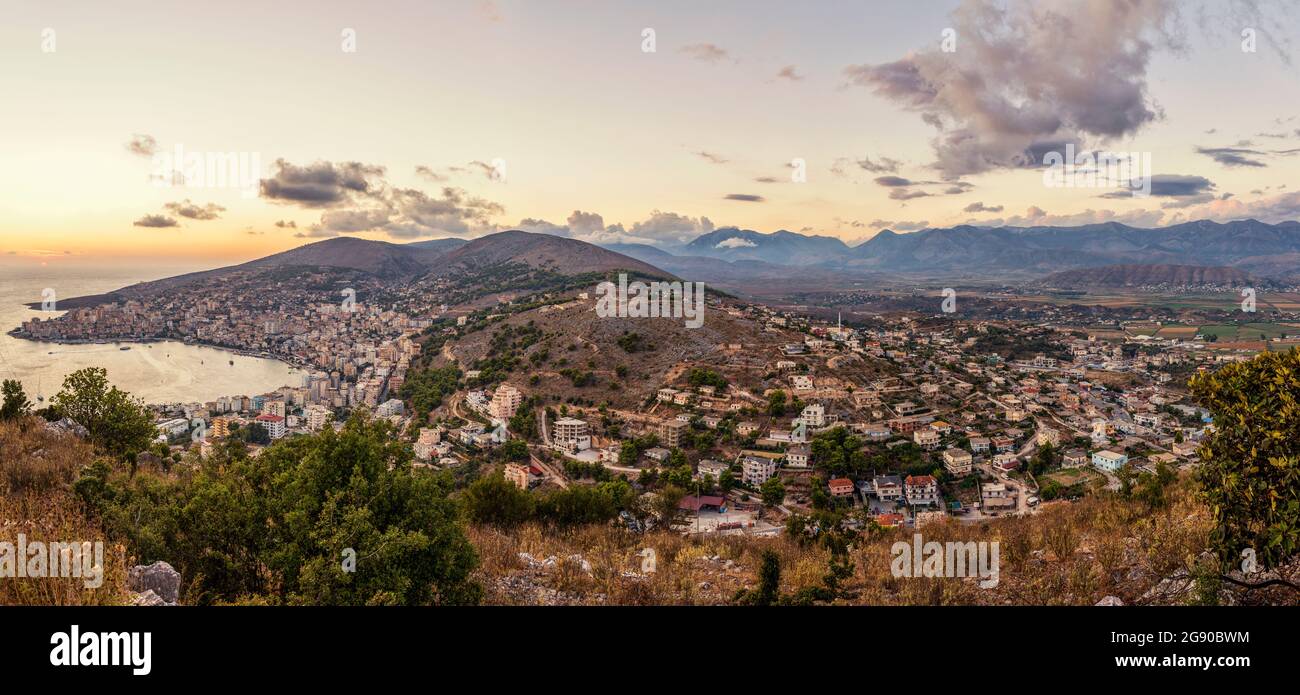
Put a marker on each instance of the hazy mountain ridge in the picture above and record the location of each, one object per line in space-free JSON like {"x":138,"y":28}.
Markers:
{"x":1247,"y":244}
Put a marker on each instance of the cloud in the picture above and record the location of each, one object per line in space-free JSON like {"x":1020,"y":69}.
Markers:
{"x":735,"y":242}
{"x":1178,"y":185}
{"x":900,"y":225}
{"x":981,"y":207}
{"x":711,"y":157}
{"x":155,"y":221}
{"x":767,"y":179}
{"x":788,"y":73}
{"x":705,"y":52}
{"x":321,"y":184}
{"x":430,"y":174}
{"x":891,"y":181}
{"x":185,"y":208}
{"x":290,"y":224}
{"x":659,"y":228}
{"x":883,"y":166}
{"x":1026,"y":73}
{"x":1233,"y":156}
{"x":745,"y":197}
{"x":355,"y":197}
{"x":142,"y":145}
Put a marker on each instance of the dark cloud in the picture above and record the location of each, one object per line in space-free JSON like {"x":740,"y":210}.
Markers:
{"x":745,"y":197}
{"x":1177,"y":185}
{"x":142,"y":145}
{"x":185,"y":208}
{"x":767,"y":179}
{"x":981,"y":207}
{"x":321,"y":184}
{"x":893,"y":181}
{"x":155,"y":221}
{"x":1233,"y":156}
{"x":290,"y":224}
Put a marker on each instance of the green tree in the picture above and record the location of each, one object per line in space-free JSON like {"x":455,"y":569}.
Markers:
{"x":117,"y":423}
{"x":772,"y":491}
{"x":497,"y":501}
{"x":776,"y":403}
{"x":15,"y":400}
{"x":1250,"y":470}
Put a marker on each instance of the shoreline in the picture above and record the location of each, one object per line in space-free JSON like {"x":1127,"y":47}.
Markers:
{"x":17,"y":333}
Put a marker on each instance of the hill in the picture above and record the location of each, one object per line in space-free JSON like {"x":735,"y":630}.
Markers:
{"x":543,"y":251}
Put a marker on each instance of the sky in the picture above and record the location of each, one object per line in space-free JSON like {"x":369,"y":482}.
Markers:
{"x":632,"y":121}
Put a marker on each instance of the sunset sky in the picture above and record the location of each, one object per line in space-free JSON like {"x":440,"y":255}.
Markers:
{"x":606,"y":141}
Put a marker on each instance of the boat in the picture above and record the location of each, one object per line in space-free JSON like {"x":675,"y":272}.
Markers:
{"x":125,"y":347}
{"x":232,"y":363}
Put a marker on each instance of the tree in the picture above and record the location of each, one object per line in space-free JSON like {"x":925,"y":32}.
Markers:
{"x":117,"y":423}
{"x":497,"y":501}
{"x":726,"y":481}
{"x":768,"y":590}
{"x":1250,"y":470}
{"x":286,"y":526}
{"x":776,"y":403}
{"x":773,"y":491}
{"x":15,"y":401}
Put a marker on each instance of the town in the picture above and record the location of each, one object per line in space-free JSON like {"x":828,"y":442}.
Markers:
{"x":900,"y":419}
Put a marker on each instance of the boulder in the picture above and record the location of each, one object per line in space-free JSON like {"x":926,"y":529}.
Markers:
{"x":67,"y":426}
{"x":160,"y":577}
{"x":147,"y":598}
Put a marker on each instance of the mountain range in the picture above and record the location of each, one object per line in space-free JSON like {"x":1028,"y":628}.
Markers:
{"x":1251,"y":245}
{"x":1198,"y":252}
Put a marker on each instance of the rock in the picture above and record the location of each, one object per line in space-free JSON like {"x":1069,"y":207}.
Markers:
{"x":67,"y":426}
{"x":148,"y":598}
{"x":528,"y":559}
{"x":1110,"y":601}
{"x":160,"y":577}
{"x":580,"y":561}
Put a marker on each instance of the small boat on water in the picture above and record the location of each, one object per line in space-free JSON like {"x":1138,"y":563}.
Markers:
{"x":232,"y":363}
{"x":125,"y":347}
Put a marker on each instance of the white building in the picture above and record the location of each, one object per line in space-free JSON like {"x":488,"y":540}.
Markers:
{"x":1108,"y":460}
{"x":756,"y":470}
{"x":505,"y":402}
{"x":571,"y":435}
{"x":813,"y":415}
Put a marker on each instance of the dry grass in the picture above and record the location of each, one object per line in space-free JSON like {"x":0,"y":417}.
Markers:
{"x":37,"y":469}
{"x":1071,"y":554}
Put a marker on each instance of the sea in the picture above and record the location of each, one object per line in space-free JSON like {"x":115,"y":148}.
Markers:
{"x":160,"y":372}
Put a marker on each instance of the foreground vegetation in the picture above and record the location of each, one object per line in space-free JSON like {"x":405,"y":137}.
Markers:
{"x":344,"y":518}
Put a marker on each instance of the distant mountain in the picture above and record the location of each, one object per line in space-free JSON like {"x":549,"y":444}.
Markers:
{"x":546,"y":251}
{"x":1149,"y":275}
{"x":1040,"y":249}
{"x":782,"y":247}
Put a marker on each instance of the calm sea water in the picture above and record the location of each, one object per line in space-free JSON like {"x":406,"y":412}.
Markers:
{"x":157,"y":372}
